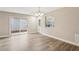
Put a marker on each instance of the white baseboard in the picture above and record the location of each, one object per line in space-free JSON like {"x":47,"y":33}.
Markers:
{"x":32,"y":32}
{"x":4,"y":36}
{"x":59,"y":39}
{"x":20,"y":33}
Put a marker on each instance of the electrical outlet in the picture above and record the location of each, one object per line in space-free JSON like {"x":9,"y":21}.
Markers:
{"x":77,"y":37}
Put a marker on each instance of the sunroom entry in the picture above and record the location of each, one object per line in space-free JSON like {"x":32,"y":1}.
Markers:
{"x":18,"y":25}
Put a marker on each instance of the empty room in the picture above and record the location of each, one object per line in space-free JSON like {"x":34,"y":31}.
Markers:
{"x":39,"y":29}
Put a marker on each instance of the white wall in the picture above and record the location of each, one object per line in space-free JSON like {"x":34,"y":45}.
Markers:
{"x":32,"y":24}
{"x":4,"y":22}
{"x":66,"y":24}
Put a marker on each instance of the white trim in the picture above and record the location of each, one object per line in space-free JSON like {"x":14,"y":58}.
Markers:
{"x":3,"y":36}
{"x":67,"y":41}
{"x":20,"y":33}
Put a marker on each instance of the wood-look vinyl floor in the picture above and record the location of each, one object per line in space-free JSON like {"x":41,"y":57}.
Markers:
{"x":34,"y":42}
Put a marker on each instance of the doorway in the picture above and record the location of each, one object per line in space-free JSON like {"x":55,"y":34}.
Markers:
{"x":18,"y":25}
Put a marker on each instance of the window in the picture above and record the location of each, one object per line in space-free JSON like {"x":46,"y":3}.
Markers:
{"x":18,"y":25}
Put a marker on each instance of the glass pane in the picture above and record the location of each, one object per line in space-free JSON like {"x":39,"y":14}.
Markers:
{"x":15,"y":25}
{"x":18,"y":25}
{"x":23,"y":25}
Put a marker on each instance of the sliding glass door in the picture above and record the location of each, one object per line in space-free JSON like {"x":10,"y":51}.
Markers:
{"x":23,"y":25}
{"x":18,"y":25}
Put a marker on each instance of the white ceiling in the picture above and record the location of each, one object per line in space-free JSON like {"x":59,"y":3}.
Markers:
{"x":28,"y":10}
